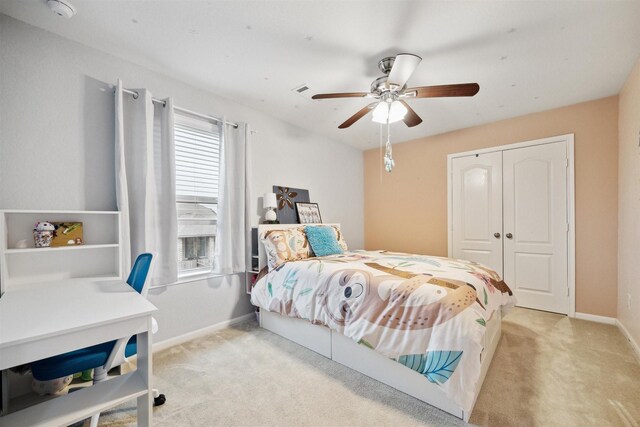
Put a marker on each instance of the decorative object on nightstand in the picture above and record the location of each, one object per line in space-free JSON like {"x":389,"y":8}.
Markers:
{"x":270,"y":203}
{"x":287,"y":197}
{"x":308,"y":213}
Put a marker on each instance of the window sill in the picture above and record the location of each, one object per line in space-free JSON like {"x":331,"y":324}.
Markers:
{"x":194,"y":277}
{"x":196,"y":274}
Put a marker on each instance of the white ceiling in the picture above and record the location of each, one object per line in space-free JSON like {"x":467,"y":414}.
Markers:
{"x":527,"y":56}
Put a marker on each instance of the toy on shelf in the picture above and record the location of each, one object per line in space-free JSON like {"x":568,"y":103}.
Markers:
{"x":43,"y":233}
{"x":53,"y":386}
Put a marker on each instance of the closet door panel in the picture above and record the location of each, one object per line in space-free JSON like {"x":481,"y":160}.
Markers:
{"x":535,"y":225}
{"x":477,"y":209}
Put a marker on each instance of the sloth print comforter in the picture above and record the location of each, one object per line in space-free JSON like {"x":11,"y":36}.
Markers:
{"x":428,"y":313}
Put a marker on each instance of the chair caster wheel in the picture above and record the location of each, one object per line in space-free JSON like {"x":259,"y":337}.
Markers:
{"x":158,"y":401}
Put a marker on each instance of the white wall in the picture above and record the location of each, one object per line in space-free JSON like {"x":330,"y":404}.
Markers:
{"x":629,"y":206}
{"x":56,"y":152}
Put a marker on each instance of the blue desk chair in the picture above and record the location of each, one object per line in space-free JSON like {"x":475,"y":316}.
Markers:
{"x":101,"y":357}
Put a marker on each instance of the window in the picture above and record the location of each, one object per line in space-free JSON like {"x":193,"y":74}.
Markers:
{"x":197,"y":247}
{"x":197,"y":176}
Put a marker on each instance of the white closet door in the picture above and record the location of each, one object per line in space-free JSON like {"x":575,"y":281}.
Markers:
{"x":535,"y":226}
{"x":477,"y":209}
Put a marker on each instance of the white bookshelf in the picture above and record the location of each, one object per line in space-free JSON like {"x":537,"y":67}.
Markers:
{"x":63,"y":248}
{"x":252,"y":261}
{"x":99,"y":256}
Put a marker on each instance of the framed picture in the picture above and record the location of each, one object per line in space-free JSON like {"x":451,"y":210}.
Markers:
{"x":67,"y":234}
{"x":308,"y":213}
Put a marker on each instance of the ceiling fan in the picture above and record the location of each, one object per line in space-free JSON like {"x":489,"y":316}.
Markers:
{"x":390,"y":92}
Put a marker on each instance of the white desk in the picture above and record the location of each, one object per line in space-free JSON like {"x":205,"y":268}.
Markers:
{"x":45,"y":319}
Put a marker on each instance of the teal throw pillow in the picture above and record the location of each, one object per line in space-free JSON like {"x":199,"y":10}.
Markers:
{"x":323,"y":240}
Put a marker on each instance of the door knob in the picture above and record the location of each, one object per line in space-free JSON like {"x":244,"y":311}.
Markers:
{"x":509,"y":235}
{"x":496,"y":235}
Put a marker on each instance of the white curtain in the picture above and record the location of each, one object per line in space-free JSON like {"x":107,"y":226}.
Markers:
{"x":233,"y":196}
{"x":145,"y":182}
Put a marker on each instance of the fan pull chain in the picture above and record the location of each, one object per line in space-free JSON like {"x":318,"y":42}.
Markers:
{"x":389,"y":163}
{"x":380,"y":138}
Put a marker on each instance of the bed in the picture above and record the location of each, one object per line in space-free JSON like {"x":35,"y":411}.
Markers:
{"x":426,"y":326}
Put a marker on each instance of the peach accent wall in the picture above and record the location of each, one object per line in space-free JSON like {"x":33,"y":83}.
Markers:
{"x":406,"y":210}
{"x":629,"y":206}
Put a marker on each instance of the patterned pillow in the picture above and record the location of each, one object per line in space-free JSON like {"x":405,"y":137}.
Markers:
{"x":340,"y":238}
{"x":285,"y":245}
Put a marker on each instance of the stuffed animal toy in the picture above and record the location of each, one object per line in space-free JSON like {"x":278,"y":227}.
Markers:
{"x":54,"y":386}
{"x":43,"y":233}
{"x":44,"y":226}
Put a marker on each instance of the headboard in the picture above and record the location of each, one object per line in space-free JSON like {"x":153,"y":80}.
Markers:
{"x":262,"y":256}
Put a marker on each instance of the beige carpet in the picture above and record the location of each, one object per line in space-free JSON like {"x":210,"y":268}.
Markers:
{"x":548,"y":370}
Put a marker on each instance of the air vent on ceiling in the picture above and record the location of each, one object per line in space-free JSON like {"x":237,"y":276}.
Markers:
{"x":302,"y":90}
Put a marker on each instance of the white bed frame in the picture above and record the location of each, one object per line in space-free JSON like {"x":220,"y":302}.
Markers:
{"x":345,"y":351}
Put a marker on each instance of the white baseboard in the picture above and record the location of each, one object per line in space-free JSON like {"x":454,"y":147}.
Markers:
{"x":596,"y":318}
{"x":162,"y":345}
{"x":627,"y":335}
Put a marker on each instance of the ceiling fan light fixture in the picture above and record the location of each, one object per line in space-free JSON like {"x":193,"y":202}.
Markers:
{"x":381,"y":113}
{"x":397,"y":111}
{"x":386,"y":112}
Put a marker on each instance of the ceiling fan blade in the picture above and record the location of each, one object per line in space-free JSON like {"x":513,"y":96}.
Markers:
{"x":403,"y":67}
{"x":357,"y":116}
{"x":412,"y":118}
{"x":463,"y":89}
{"x":340,"y":95}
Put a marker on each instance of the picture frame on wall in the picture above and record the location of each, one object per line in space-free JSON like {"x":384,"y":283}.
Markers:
{"x":308,"y":213}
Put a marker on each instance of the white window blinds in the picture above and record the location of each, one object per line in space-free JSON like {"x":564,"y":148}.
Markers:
{"x":197,"y":161}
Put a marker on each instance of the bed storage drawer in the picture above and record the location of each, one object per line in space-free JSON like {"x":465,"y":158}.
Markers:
{"x":387,"y":371}
{"x":314,"y":337}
